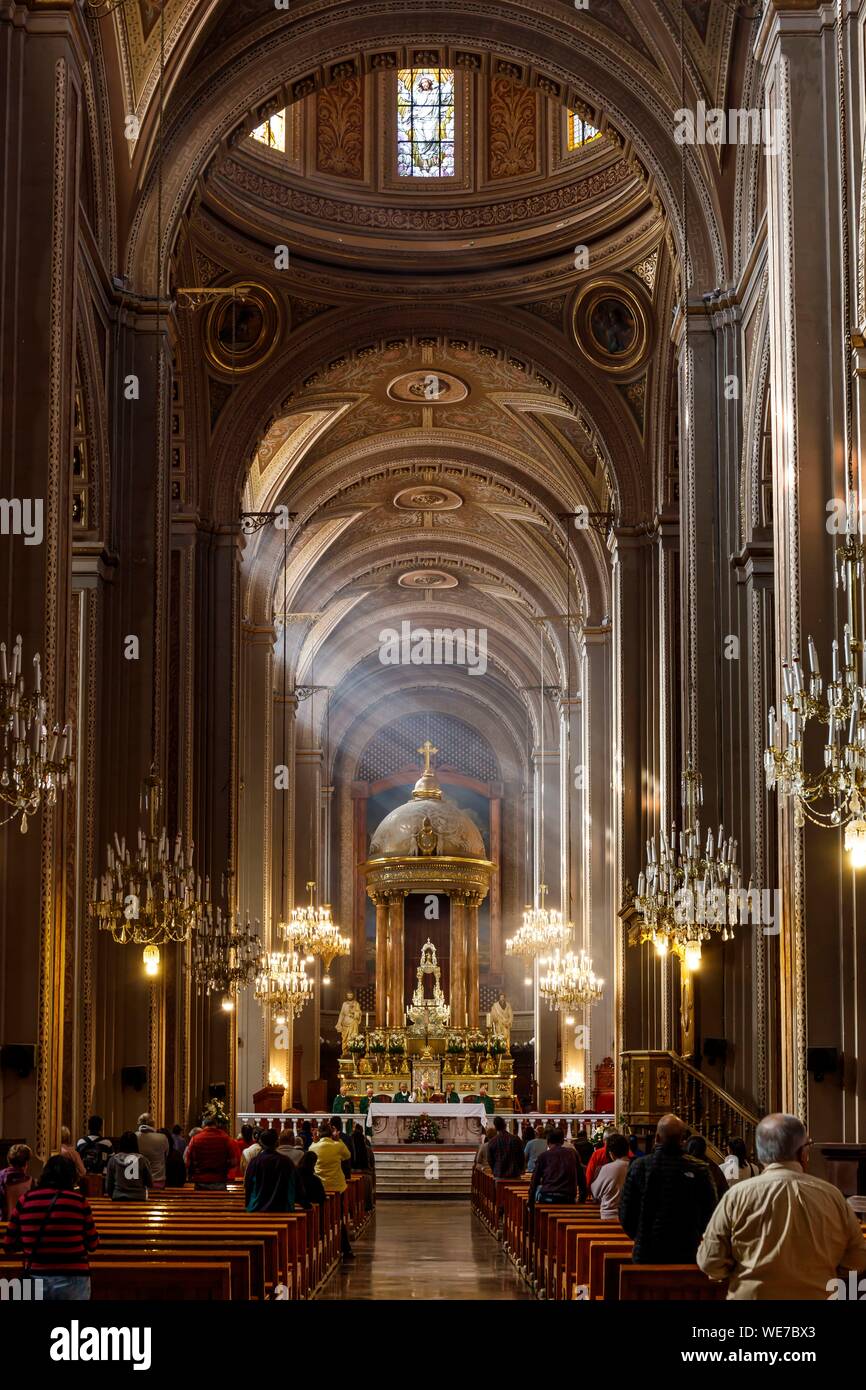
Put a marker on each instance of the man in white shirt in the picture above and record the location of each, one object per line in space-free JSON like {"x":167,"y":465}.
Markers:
{"x":608,"y":1181}
{"x":784,"y":1233}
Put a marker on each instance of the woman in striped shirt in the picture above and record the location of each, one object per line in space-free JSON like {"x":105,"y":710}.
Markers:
{"x":53,"y":1225}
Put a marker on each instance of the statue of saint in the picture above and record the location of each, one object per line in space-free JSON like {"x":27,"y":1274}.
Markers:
{"x":349,"y":1021}
{"x":502,"y":1019}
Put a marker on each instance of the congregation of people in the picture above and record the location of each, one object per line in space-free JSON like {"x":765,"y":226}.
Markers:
{"x":765,"y":1225}
{"x":284,"y":1166}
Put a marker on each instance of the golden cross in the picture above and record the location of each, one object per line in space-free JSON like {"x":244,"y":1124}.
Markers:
{"x":427,"y":750}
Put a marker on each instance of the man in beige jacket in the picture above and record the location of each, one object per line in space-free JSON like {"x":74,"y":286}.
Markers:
{"x":784,"y":1233}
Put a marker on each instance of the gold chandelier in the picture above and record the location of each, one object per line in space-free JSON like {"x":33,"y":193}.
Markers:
{"x":282,"y":982}
{"x":312,"y":931}
{"x":834,"y":795}
{"x":571,"y":982}
{"x":688,"y":891}
{"x":541,"y":932}
{"x":226,"y":950}
{"x":151,"y":898}
{"x":33,"y":769}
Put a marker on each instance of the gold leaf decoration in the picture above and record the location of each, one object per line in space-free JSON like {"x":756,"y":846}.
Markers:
{"x":340,"y":129}
{"x":512,"y":129}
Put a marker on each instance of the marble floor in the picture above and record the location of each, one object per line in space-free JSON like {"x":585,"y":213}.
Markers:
{"x":424,"y":1251}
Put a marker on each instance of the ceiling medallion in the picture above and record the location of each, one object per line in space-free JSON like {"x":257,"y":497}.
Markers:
{"x":242,"y":333}
{"x":612,"y":326}
{"x":427,"y":499}
{"x":424,"y":386}
{"x":427,"y":579}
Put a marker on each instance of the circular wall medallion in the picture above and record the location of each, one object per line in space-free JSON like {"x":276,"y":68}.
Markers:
{"x":427,"y":579}
{"x":427,"y":499}
{"x":425,"y":386}
{"x":612,"y":325}
{"x":241,"y":334}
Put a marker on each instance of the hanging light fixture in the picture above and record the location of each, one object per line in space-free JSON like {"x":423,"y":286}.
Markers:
{"x":151,"y":896}
{"x":688,"y":889}
{"x":227,"y":950}
{"x":570,"y":982}
{"x":311,"y":931}
{"x":35,"y":764}
{"x":282,"y":983}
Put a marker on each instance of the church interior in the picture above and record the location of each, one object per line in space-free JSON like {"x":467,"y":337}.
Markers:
{"x":433,"y":665}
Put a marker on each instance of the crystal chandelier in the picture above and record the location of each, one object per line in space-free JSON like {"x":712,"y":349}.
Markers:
{"x":686,"y":891}
{"x":33,"y":769}
{"x":282,"y":982}
{"x":833,"y":795}
{"x":570,"y":982}
{"x":226,"y":951}
{"x":312,"y":931}
{"x":541,"y":932}
{"x":151,"y":898}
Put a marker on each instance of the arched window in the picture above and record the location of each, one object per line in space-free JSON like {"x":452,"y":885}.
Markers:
{"x":425,"y":123}
{"x":580,"y":132}
{"x":272,"y":132}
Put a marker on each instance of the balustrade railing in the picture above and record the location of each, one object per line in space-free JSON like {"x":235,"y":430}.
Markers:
{"x":655,"y":1083}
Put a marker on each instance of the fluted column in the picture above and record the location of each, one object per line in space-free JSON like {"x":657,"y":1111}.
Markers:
{"x":381,"y":961}
{"x":472,"y":991}
{"x":396,"y":905}
{"x":458,"y":960}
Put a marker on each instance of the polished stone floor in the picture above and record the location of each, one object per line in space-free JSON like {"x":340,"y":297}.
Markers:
{"x":422,"y":1251}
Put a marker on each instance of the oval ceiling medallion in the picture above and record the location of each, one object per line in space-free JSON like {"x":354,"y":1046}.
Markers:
{"x":612,"y":326}
{"x":425,"y":386}
{"x":241,"y":334}
{"x":427,"y":579}
{"x":427,"y":499}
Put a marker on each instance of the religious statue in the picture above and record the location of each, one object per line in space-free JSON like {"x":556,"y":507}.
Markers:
{"x":349,"y":1021}
{"x":502,"y":1020}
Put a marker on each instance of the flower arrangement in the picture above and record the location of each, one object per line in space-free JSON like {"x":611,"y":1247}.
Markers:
{"x":497,"y":1047}
{"x":455,"y":1046}
{"x":358,"y":1045}
{"x":376,"y":1045}
{"x":215,"y":1110}
{"x":396,"y":1045}
{"x":423,"y":1130}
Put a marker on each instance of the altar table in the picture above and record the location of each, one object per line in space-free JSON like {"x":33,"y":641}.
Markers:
{"x":458,"y":1124}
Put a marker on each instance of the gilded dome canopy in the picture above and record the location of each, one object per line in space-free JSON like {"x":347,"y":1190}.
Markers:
{"x":428,"y":825}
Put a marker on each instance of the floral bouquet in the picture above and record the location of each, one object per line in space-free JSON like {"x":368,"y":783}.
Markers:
{"x":396,"y":1045}
{"x":455,"y":1046}
{"x":358,"y":1045}
{"x":497,"y":1047}
{"x":377,"y":1046}
{"x":423,"y":1130}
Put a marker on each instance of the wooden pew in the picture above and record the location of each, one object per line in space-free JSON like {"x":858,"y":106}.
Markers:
{"x":151,"y":1280}
{"x":680,"y":1283}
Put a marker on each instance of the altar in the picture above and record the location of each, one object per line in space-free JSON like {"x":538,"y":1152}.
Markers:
{"x":458,"y":1124}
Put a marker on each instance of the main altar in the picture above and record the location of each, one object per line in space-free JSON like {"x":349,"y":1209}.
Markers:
{"x":431,"y":1046}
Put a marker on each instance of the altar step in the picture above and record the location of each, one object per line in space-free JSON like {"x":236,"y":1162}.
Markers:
{"x":429,"y":1173}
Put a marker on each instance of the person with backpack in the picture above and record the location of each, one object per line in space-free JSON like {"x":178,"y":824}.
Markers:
{"x":53,"y":1225}
{"x":94,"y":1149}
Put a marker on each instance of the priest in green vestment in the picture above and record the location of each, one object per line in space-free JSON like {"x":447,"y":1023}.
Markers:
{"x":400,"y":1097}
{"x":343,"y":1103}
{"x":365,"y":1099}
{"x":451,"y":1096}
{"x":486,"y":1100}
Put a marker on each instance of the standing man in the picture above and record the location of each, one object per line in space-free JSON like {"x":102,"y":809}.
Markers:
{"x":331,"y":1153}
{"x":153,"y":1146}
{"x":558,"y":1174}
{"x":535,"y":1146}
{"x":505,"y":1152}
{"x":486,"y":1100}
{"x":607,"y":1188}
{"x":451,"y":1096}
{"x":211,"y":1153}
{"x":400,"y":1097}
{"x":343,"y":1103}
{"x":784,"y":1233}
{"x":667,"y":1199}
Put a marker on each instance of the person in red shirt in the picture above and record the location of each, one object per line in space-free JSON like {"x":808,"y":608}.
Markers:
{"x":53,"y":1225}
{"x":211,"y":1155}
{"x":598,"y":1160}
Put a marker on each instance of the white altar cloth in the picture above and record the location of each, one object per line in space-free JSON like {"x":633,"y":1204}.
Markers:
{"x":466,"y":1110}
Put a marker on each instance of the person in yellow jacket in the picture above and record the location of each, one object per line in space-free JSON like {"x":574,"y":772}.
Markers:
{"x":331,"y":1153}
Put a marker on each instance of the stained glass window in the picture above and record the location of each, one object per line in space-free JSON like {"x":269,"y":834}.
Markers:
{"x":580,"y":132}
{"x":272,"y":132}
{"x":425,"y":123}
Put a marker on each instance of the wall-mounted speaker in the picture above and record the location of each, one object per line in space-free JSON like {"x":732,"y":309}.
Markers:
{"x":136,"y":1077}
{"x":716,"y":1049}
{"x":822,"y":1061}
{"x":18,"y":1057}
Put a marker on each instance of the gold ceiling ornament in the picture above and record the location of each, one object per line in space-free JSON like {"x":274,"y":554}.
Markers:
{"x":311,"y":931}
{"x":688,"y":890}
{"x":570,"y":982}
{"x":226,"y":953}
{"x":835,"y":795}
{"x":151,"y":897}
{"x":35,"y":764}
{"x":282,"y":983}
{"x":195,"y":296}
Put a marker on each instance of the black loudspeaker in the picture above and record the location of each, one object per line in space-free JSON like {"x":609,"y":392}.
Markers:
{"x":716,"y":1049}
{"x":136,"y":1077}
{"x":18,"y":1057}
{"x":822,"y":1061}
{"x":216,"y":1090}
